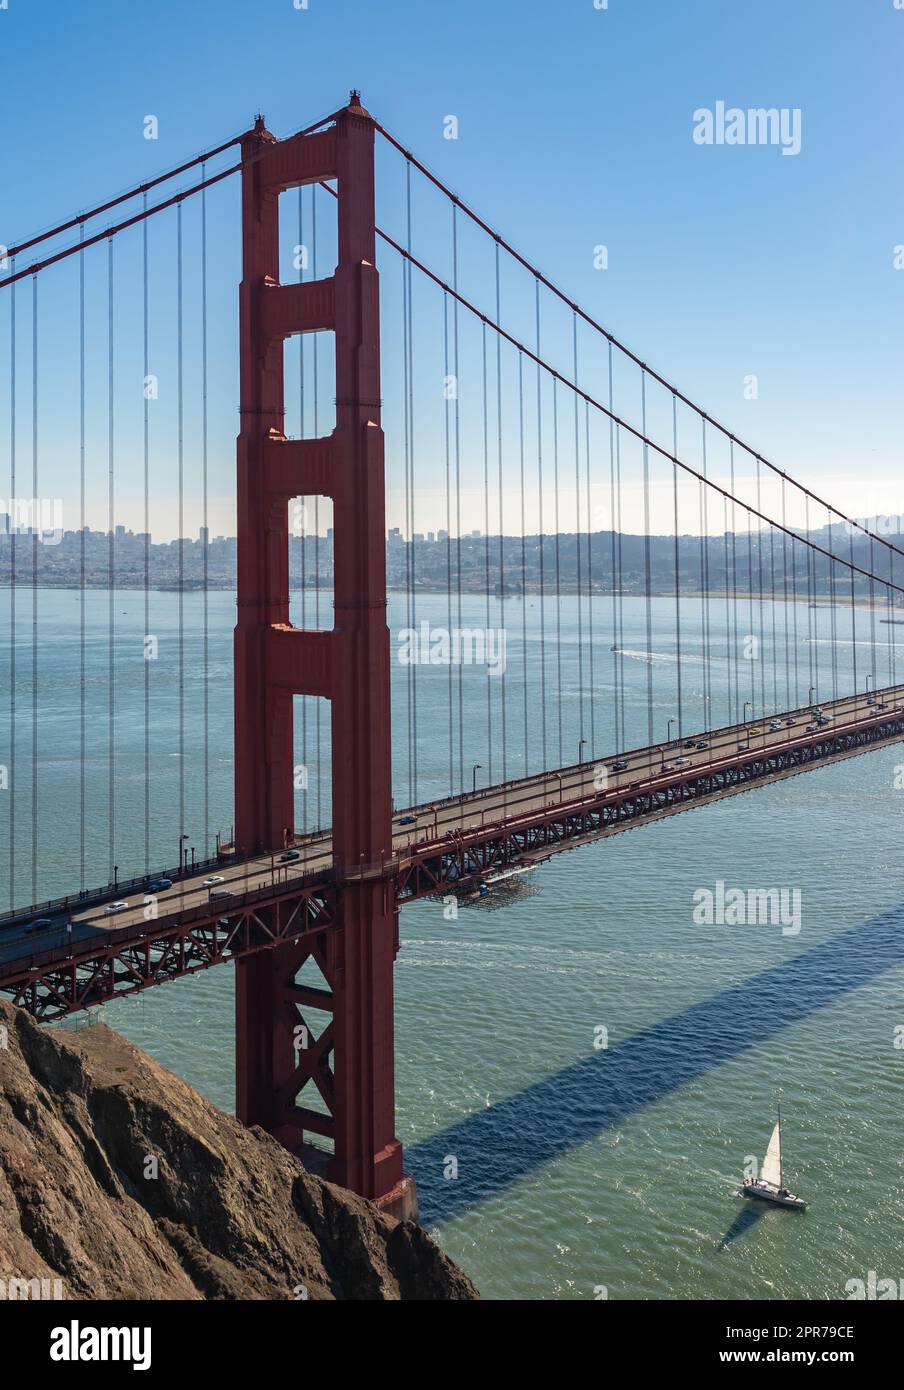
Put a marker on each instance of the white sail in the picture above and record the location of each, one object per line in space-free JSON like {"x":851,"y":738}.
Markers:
{"x":771,"y":1171}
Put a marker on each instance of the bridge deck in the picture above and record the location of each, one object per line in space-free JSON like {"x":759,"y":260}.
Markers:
{"x":447,"y":847}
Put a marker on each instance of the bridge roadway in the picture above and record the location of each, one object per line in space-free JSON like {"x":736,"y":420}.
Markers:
{"x":441,"y":822}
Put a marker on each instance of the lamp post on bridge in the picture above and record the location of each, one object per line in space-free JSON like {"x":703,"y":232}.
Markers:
{"x":668,"y":732}
{"x":747,"y":703}
{"x":474,"y":771}
{"x":581,"y":746}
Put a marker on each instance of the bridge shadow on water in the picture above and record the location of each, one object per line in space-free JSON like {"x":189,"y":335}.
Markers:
{"x":501,"y":1145}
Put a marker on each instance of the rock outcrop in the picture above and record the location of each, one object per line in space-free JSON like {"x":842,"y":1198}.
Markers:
{"x":122,"y":1182}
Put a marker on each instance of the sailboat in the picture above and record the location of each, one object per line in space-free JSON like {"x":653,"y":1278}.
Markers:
{"x":769,"y":1186}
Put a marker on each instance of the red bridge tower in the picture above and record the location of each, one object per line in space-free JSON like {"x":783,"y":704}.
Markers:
{"x":349,"y":665}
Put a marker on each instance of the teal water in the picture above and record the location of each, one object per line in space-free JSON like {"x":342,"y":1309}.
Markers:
{"x":577,"y":1168}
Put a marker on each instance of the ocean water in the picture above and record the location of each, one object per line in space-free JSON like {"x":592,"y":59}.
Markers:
{"x":550,"y":1167}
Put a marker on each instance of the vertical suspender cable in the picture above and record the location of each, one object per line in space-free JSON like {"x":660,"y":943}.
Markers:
{"x":811,"y":616}
{"x":750,"y":623}
{"x":447,"y":450}
{"x":833,"y":614}
{"x":457,"y":422}
{"x":853,"y":614}
{"x":647,"y":559}
{"x":526,"y":699}
{"x":12,"y":589}
{"x":620,"y":636}
{"x":501,"y":508}
{"x":761,"y":645}
{"x":872,"y":611}
{"x":677,"y":564}
{"x":486,"y":539}
{"x":728,"y":646}
{"x":35,"y":541}
{"x":541,"y":539}
{"x":406,"y":398}
{"x":147,"y":536}
{"x":775,"y":700}
{"x":555,"y":464}
{"x":704,"y":585}
{"x":111,"y":565}
{"x":82,"y":558}
{"x":589,"y":581}
{"x":788,"y":701}
{"x":409,"y":337}
{"x":577,"y":538}
{"x":205,"y":532}
{"x":734,"y":586}
{"x":618,"y":735}
{"x":180,"y":451}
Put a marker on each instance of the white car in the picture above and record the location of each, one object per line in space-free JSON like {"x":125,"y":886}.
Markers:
{"x":116,"y":907}
{"x":213,"y":881}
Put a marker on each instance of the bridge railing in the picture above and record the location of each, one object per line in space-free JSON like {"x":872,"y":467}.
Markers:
{"x":86,"y":897}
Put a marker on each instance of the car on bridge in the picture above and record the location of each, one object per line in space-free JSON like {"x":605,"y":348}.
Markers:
{"x":220,"y":893}
{"x":157,"y":885}
{"x":116,"y":907}
{"x":620,"y":766}
{"x":213,"y":881}
{"x":701,"y":745}
{"x":289,"y":857}
{"x":407,"y":820}
{"x":40,"y":923}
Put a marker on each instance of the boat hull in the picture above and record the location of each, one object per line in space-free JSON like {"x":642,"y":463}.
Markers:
{"x":769,"y":1194}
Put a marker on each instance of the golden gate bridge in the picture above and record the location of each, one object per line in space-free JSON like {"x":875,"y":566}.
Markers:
{"x":503,"y":390}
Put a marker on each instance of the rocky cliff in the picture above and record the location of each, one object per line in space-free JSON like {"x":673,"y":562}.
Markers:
{"x":122,"y":1182}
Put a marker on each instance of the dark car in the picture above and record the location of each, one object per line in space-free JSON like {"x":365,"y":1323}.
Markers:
{"x":689,"y":743}
{"x":289,"y":857}
{"x":39,"y":923}
{"x":701,"y":744}
{"x":157,"y":885}
{"x":620,"y":766}
{"x":408,"y":820}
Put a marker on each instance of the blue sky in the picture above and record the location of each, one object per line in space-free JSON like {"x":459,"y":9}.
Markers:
{"x":575,"y":129}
